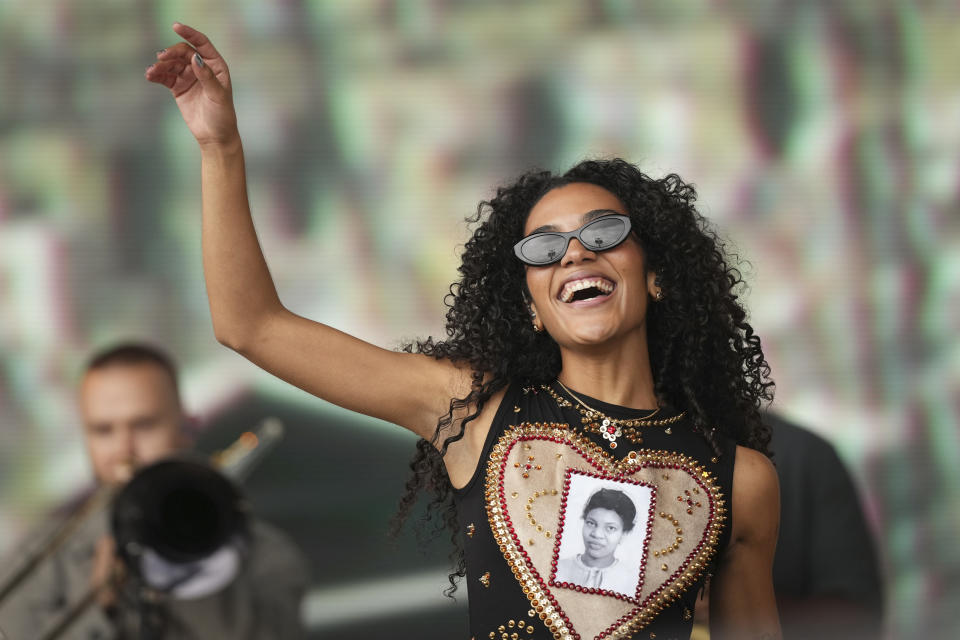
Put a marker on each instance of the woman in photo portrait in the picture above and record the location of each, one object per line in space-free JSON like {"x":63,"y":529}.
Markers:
{"x":608,"y":516}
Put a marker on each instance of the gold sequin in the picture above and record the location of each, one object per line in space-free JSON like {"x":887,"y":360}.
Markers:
{"x":516,"y":409}
{"x":485,"y":579}
{"x":471,"y":529}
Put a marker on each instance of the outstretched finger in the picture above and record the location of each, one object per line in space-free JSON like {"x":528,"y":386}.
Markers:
{"x":199,"y":41}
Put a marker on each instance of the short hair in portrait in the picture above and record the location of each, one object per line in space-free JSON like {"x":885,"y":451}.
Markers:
{"x":606,"y":526}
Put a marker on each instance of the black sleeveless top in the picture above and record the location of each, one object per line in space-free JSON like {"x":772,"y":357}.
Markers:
{"x":571,"y":534}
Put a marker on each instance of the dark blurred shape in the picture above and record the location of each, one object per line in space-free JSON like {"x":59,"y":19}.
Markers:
{"x":771,"y":93}
{"x":825,"y":572}
{"x":184,"y":510}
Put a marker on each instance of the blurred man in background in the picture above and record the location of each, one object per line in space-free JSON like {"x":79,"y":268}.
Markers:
{"x":825,"y":573}
{"x":133,"y":416}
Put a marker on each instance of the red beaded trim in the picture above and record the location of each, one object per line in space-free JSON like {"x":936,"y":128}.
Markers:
{"x":559,"y":535}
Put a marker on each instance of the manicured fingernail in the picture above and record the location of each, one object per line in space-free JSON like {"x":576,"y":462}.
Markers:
{"x":200,"y":62}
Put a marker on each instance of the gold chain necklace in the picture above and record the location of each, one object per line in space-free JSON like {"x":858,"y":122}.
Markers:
{"x":609,"y":428}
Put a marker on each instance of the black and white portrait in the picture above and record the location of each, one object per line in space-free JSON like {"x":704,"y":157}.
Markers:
{"x":605,"y":524}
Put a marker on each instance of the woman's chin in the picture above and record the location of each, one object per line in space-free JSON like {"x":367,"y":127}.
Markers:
{"x":588,"y":336}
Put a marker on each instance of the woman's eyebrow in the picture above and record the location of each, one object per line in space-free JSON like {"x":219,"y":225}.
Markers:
{"x":584,"y":219}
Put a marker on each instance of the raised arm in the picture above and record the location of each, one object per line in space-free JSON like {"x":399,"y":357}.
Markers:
{"x":409,"y":390}
{"x":742,"y":603}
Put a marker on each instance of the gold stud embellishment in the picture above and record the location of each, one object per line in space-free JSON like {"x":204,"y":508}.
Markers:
{"x":485,"y":579}
{"x":678,"y":539}
{"x":471,"y":529}
{"x":528,"y":508}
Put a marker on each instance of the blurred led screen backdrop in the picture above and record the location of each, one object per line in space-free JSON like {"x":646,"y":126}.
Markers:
{"x":823,"y":139}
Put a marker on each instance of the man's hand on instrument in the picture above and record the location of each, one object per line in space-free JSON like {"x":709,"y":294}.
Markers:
{"x":107,"y":573}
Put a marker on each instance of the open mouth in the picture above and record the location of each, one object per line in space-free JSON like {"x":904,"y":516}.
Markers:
{"x":585,"y":289}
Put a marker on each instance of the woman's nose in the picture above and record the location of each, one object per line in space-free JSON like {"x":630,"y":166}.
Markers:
{"x":576,"y":252}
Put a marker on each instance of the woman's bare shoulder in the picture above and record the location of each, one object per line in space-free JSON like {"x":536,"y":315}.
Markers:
{"x":756,"y":495}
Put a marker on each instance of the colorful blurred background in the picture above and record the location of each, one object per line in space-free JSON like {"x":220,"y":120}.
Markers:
{"x":823,"y":137}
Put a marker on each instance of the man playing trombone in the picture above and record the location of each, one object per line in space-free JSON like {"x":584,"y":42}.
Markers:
{"x":132,"y":417}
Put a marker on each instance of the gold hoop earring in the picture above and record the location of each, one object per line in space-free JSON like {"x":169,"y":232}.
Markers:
{"x":533,"y":320}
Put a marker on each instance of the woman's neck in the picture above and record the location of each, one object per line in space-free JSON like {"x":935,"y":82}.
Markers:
{"x":618,"y":374}
{"x":597,"y":563}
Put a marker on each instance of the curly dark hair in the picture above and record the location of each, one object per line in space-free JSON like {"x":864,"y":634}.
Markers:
{"x":616,"y":501}
{"x":706,"y":359}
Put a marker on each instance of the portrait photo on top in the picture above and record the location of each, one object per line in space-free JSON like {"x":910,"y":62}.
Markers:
{"x":605,"y":528}
{"x":595,"y":328}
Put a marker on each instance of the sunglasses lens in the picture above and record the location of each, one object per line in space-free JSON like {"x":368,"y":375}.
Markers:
{"x":543,"y":248}
{"x":604,"y":233}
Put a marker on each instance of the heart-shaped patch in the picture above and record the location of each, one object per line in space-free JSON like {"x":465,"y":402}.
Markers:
{"x":599,"y":545}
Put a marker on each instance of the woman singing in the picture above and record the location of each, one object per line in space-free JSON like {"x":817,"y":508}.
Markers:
{"x":593,"y":340}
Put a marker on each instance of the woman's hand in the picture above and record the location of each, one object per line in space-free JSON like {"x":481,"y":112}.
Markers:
{"x":199,"y":80}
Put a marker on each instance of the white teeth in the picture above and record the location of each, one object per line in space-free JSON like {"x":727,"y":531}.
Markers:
{"x":569,"y":289}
